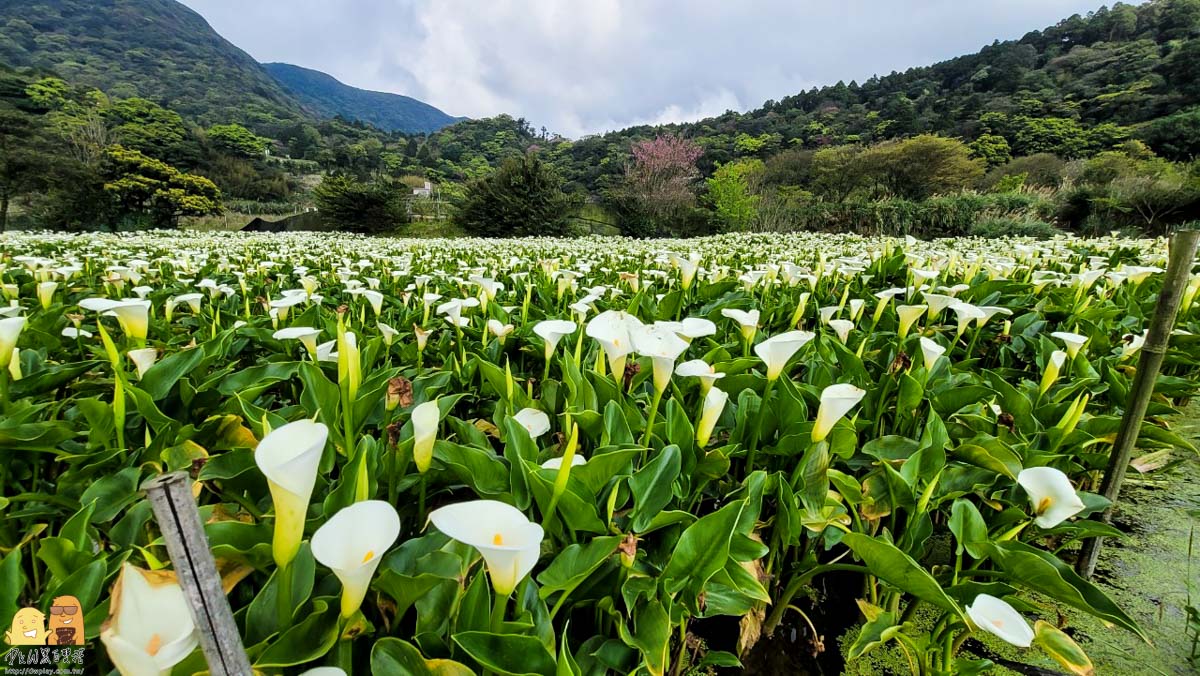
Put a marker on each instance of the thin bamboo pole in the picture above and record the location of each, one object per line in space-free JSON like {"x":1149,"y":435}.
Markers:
{"x":1181,"y":258}
{"x":179,"y":520}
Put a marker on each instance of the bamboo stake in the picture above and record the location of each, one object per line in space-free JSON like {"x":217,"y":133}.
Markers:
{"x":179,"y":520}
{"x":1179,"y":267}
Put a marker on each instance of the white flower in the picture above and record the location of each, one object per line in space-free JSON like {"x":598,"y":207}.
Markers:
{"x":45,"y":293}
{"x":551,"y":331}
{"x":908,"y":314}
{"x":534,"y":421}
{"x":143,"y":359}
{"x":288,"y":457}
{"x":10,"y":330}
{"x":777,"y":350}
{"x":714,"y":404}
{"x":997,"y":617}
{"x":836,"y":402}
{"x":352,"y":543}
{"x":1051,"y":495}
{"x":305,"y":334}
{"x":556,"y":463}
{"x":698,"y":368}
{"x":72,"y":332}
{"x":388,"y":333}
{"x":149,"y":628}
{"x":1073,"y":341}
{"x":842,"y":328}
{"x":1053,"y":366}
{"x":509,"y":542}
{"x":930,"y":352}
{"x":747,"y":320}
{"x":425,"y":419}
{"x":663,"y":346}
{"x":611,"y":329}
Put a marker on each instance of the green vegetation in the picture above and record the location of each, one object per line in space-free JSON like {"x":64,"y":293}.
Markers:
{"x":328,"y":97}
{"x":1094,"y":121}
{"x":523,"y":197}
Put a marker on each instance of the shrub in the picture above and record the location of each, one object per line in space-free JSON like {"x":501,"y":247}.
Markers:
{"x":523,"y":197}
{"x":352,"y":205}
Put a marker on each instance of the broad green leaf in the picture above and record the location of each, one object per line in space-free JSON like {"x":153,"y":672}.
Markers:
{"x":898,"y":569}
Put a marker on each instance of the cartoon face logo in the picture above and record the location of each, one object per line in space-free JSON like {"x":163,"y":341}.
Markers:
{"x":28,"y":628}
{"x":66,"y":622}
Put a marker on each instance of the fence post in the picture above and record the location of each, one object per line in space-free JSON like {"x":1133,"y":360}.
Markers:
{"x":179,"y":520}
{"x":1181,"y":256}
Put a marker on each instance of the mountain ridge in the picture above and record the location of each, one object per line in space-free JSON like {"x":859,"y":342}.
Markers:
{"x":326,"y":95}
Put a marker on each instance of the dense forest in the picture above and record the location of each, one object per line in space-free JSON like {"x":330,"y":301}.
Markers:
{"x":1091,"y":124}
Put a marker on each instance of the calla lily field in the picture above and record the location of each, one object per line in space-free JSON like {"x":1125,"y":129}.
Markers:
{"x":576,"y":457}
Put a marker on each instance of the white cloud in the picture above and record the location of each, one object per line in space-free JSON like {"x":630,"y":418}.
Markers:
{"x":583,"y":66}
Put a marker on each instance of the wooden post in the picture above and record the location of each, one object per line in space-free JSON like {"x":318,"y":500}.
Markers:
{"x":179,"y":520}
{"x":1181,"y":257}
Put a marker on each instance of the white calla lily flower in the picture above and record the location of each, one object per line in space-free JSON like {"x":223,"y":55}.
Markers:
{"x":836,"y":402}
{"x":535,"y":421}
{"x":1051,"y":495}
{"x":149,"y":627}
{"x":612,"y":329}
{"x":1073,"y":341}
{"x":997,"y":617}
{"x":10,"y":331}
{"x":714,"y":404}
{"x":352,"y":543}
{"x":509,"y":542}
{"x":777,"y":350}
{"x":930,"y":352}
{"x":425,"y":419}
{"x":143,"y":359}
{"x":289,"y":457}
{"x":663,"y":346}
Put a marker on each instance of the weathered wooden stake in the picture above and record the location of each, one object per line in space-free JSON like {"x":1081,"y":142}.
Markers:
{"x":179,"y":520}
{"x":1181,"y":257}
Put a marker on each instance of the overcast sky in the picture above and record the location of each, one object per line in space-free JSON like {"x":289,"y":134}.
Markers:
{"x":585,"y":66}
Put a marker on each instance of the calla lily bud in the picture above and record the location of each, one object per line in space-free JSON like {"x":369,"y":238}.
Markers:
{"x":1053,"y":365}
{"x":425,"y":419}
{"x":509,"y":542}
{"x":714,"y":404}
{"x":149,"y":627}
{"x":566,"y":463}
{"x":352,"y":543}
{"x":289,"y":456}
{"x":836,"y":402}
{"x":997,"y":617}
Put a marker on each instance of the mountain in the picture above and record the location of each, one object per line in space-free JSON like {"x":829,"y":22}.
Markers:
{"x":326,"y":96}
{"x":154,"y":49}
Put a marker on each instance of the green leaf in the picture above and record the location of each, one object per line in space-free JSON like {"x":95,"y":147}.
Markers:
{"x":390,"y":655}
{"x":507,"y":654}
{"x":575,"y":563}
{"x":651,"y":486}
{"x":1045,"y":573}
{"x":898,"y":569}
{"x":702,"y":549}
{"x":305,"y":642}
{"x":161,"y":377}
{"x":969,"y":528}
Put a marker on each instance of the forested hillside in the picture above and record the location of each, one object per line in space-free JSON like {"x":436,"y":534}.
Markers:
{"x":1093,"y":123}
{"x":326,"y":96}
{"x":153,"y":49}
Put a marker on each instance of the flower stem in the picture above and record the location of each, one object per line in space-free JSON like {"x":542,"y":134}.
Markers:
{"x":762,"y":413}
{"x":650,"y":420}
{"x":344,"y":655}
{"x":283,"y":595}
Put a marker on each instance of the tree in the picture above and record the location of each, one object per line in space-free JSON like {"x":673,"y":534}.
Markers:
{"x":141,"y":187}
{"x":922,"y":166}
{"x":523,"y":197}
{"x":149,"y":128}
{"x":992,"y":149}
{"x":729,"y":191}
{"x":657,"y":192}
{"x":235,"y":139}
{"x":357,"y":206}
{"x":1175,"y":137}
